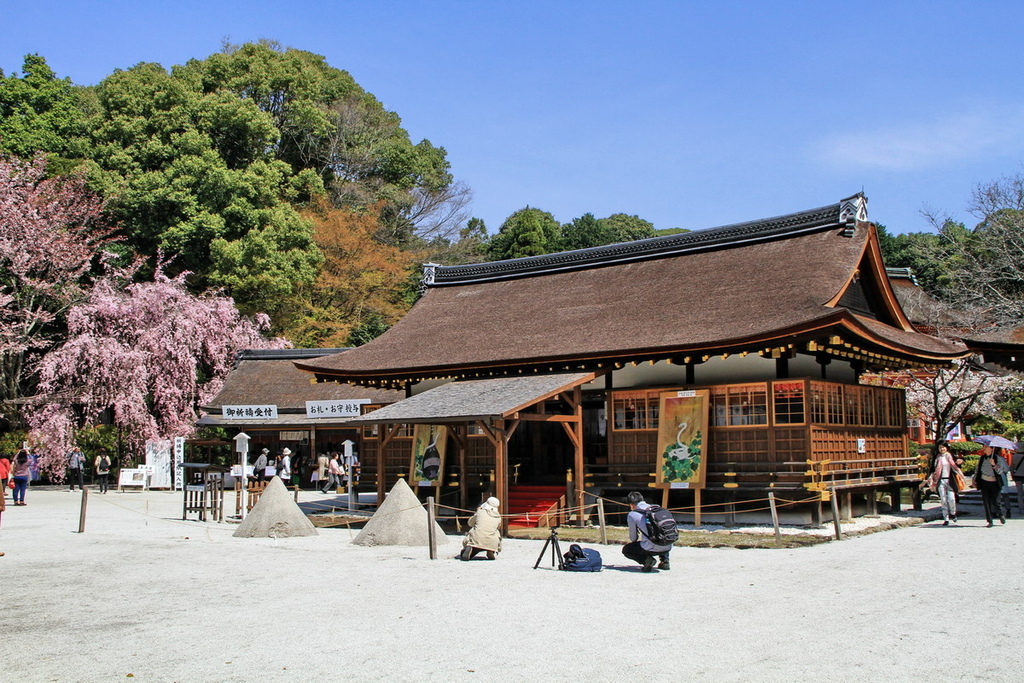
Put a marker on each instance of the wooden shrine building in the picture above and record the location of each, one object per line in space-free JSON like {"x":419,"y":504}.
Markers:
{"x":280,"y":406}
{"x":723,"y":361}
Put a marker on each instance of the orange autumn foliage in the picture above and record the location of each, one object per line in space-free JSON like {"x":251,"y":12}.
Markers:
{"x":361,"y":279}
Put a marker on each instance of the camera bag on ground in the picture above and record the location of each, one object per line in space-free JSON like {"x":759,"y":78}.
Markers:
{"x":581,"y":559}
{"x":661,"y":525}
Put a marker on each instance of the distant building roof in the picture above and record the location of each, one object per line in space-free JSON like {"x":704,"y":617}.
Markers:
{"x":269,"y":377}
{"x":813,"y":281}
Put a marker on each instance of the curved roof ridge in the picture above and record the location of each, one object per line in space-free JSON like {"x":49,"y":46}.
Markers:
{"x":843,"y":213}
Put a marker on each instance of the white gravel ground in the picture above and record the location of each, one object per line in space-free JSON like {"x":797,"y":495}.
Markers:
{"x":145,"y":596}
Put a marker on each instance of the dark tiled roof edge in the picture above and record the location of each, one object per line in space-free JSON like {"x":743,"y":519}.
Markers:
{"x":844,"y":213}
{"x":284,"y":354}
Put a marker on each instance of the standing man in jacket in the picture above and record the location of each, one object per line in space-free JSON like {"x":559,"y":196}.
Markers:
{"x":76,"y":468}
{"x":259,"y":468}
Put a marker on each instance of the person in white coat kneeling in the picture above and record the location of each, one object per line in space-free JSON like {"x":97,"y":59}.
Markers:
{"x":484,"y":533}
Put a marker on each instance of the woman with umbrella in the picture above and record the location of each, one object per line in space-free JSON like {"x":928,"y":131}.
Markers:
{"x":988,"y":478}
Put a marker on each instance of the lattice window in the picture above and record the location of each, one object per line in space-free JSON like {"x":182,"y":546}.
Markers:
{"x":739,"y":405}
{"x":788,"y":401}
{"x":827,"y":403}
{"x":635,"y":410}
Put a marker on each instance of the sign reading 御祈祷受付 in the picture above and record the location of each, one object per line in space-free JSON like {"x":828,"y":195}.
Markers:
{"x":249,"y":412}
{"x":338,"y":408}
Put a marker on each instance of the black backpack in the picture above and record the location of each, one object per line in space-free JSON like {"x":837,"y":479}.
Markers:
{"x":660,"y":525}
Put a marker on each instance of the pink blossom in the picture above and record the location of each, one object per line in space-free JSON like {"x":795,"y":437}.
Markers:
{"x":150,"y":352}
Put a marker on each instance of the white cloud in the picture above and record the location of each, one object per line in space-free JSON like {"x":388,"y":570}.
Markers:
{"x":952,"y":139}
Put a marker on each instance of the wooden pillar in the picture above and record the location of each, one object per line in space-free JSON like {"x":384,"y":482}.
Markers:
{"x":872,"y":502}
{"x":501,"y":470}
{"x":577,"y":396}
{"x":463,"y":445}
{"x":823,"y":359}
{"x":894,"y":490}
{"x":380,"y":469}
{"x":816,"y":516}
{"x":782,"y":367}
{"x":387,"y":432}
{"x":846,"y":499}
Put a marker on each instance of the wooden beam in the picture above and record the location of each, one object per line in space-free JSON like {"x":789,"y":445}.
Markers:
{"x":546,"y":417}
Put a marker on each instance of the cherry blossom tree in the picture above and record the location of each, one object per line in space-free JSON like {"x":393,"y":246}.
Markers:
{"x":52,"y":240}
{"x":951,"y":396}
{"x":147,"y":355}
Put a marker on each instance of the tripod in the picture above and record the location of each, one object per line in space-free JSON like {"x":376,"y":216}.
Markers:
{"x":556,"y":552}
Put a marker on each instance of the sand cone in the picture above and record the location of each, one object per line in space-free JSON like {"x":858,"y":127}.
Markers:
{"x":275,"y":515}
{"x":400,"y":520}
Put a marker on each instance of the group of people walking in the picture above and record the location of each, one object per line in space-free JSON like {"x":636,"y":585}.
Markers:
{"x":990,"y":474}
{"x":329,"y":474}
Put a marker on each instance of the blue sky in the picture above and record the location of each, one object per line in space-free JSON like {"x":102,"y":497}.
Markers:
{"x":689,"y":114}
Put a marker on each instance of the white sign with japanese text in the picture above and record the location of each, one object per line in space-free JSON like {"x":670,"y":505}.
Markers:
{"x":338,"y":408}
{"x":249,"y":412}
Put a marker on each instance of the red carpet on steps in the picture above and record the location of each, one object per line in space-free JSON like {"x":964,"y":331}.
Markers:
{"x":532,"y":500}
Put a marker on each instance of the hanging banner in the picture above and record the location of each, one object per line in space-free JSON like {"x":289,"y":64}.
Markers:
{"x":158,"y":463}
{"x":429,"y":443}
{"x":682,"y":428}
{"x":177,"y":459}
{"x":336,"y":408}
{"x":249,"y":412}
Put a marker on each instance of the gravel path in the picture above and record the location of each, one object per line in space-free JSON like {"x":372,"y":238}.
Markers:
{"x":144,"y":596}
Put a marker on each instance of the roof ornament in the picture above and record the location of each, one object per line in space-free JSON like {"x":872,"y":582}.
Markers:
{"x":428,"y":276}
{"x":852,"y":210}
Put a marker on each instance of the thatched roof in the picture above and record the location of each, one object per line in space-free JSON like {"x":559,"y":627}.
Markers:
{"x":270,"y":377}
{"x":814,"y":280}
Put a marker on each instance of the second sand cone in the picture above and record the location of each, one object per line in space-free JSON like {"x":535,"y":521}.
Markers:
{"x":400,"y":520}
{"x":275,"y":515}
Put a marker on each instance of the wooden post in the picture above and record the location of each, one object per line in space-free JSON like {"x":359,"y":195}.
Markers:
{"x":775,"y":517}
{"x":600,"y":521}
{"x":570,"y":496}
{"x":501,"y":470}
{"x":578,"y":462}
{"x":431,"y":534}
{"x":463,"y":445}
{"x":835,"y":515}
{"x":81,"y":515}
{"x":696,"y":507}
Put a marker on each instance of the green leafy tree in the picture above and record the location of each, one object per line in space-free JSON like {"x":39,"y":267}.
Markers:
{"x":626,"y":228}
{"x":193,"y":174}
{"x":328,"y":124}
{"x":922,"y":252}
{"x":213,"y":161}
{"x":527,"y":232}
{"x":586,"y":231}
{"x":39,"y":112}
